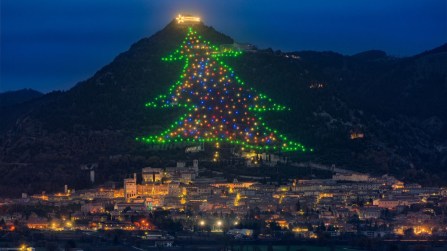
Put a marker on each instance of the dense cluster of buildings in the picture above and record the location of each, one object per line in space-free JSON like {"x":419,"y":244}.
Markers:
{"x":345,"y":205}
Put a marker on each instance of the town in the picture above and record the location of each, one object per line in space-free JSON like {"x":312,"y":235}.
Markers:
{"x":353,"y":160}
{"x":187,"y":199}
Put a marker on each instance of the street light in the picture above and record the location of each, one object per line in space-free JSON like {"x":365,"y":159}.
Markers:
{"x":202,"y":223}
{"x":219,"y":223}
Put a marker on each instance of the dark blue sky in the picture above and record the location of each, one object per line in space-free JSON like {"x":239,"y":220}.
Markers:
{"x":53,"y":44}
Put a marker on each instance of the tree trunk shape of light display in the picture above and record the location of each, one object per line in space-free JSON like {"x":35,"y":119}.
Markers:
{"x":220,"y":108}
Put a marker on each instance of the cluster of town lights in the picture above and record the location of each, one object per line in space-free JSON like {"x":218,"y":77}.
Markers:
{"x":24,"y":247}
{"x":218,"y":223}
{"x":219,"y":107}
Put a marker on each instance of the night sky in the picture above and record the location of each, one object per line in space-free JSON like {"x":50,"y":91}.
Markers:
{"x":51,"y":45}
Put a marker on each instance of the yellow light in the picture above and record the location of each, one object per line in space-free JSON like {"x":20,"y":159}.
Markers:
{"x":313,"y":236}
{"x":202,"y":223}
{"x":188,"y":19}
{"x":422,"y":230}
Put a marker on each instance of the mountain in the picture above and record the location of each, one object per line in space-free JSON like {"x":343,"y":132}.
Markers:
{"x":397,"y":104}
{"x":17,"y":97}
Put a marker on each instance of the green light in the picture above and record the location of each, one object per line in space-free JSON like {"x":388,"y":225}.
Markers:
{"x":218,"y":106}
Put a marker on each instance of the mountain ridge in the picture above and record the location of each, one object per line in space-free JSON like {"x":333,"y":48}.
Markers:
{"x":10,"y":98}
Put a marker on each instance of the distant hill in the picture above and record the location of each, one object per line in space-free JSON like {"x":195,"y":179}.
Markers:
{"x":397,"y":104}
{"x":17,"y":97}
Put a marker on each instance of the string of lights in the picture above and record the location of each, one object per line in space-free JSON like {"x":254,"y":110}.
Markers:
{"x":219,"y":106}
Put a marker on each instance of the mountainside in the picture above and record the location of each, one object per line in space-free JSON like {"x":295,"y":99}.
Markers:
{"x":397,"y":104}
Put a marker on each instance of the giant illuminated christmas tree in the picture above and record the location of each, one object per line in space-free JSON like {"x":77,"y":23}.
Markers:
{"x":220,"y":108}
